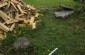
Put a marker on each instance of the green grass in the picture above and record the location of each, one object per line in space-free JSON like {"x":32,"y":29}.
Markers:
{"x":66,"y":34}
{"x":49,"y":3}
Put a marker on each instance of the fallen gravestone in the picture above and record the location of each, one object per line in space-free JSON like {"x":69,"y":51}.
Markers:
{"x":63,"y":14}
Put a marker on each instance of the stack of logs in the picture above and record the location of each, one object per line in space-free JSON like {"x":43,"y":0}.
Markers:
{"x":14,"y":12}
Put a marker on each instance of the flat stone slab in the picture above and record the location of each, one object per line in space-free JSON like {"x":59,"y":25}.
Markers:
{"x":65,"y":7}
{"x":63,"y":14}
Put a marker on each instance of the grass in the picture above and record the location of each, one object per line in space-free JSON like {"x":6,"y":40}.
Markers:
{"x":66,"y":34}
{"x":47,"y":3}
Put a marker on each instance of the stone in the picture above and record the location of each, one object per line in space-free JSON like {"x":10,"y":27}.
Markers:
{"x":65,"y":7}
{"x":21,"y":43}
{"x":63,"y":14}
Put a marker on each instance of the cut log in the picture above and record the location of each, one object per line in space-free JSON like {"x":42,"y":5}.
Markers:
{"x":11,"y":21}
{"x":1,"y":31}
{"x":22,"y":25}
{"x":31,"y":7}
{"x":14,"y":6}
{"x":18,"y":16}
{"x":10,"y":11}
{"x":26,"y":21}
{"x":15,"y":1}
{"x":20,"y":19}
{"x":32,"y":20}
{"x":2,"y":4}
{"x":37,"y":14}
{"x":20,"y":9}
{"x":10,"y":15}
{"x":12,"y":27}
{"x":34,"y":25}
{"x":4,"y":27}
{"x":4,"y":16}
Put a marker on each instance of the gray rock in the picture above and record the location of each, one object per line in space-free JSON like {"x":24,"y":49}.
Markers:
{"x":65,"y":7}
{"x":21,"y":42}
{"x":63,"y":14}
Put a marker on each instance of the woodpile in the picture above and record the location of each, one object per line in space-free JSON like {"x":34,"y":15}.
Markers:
{"x":16,"y":12}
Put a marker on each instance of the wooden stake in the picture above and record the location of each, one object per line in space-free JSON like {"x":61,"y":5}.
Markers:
{"x":37,"y":14}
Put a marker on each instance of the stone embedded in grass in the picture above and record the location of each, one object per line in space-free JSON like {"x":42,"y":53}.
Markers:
{"x":63,"y":14}
{"x":65,"y":7}
{"x":21,"y":43}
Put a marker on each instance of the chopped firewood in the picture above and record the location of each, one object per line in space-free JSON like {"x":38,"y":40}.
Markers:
{"x":10,"y":11}
{"x":15,"y":1}
{"x":32,"y":20}
{"x":22,"y":25}
{"x":34,"y":25}
{"x":11,"y":16}
{"x":20,"y":19}
{"x":3,"y":4}
{"x":13,"y":25}
{"x":11,"y":21}
{"x":14,"y":6}
{"x":4,"y":16}
{"x":1,"y":31}
{"x":26,"y":21}
{"x":28,"y":6}
{"x":20,"y":15}
{"x":4,"y":27}
{"x":15,"y":13}
{"x":20,"y":9}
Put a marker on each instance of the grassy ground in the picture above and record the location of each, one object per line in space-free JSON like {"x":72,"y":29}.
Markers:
{"x":48,"y":3}
{"x":66,"y":34}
